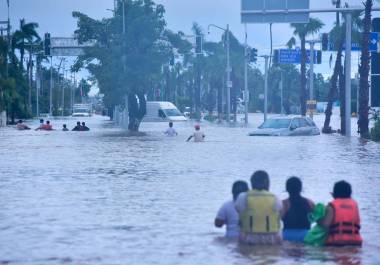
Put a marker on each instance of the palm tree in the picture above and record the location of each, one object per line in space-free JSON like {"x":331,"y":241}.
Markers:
{"x":25,"y":36}
{"x":337,"y":37}
{"x":302,"y":31}
{"x":364,"y":67}
{"x":24,"y":39}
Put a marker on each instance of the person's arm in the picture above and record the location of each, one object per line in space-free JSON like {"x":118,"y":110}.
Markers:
{"x":188,"y":139}
{"x":327,"y":220}
{"x":241,"y":202}
{"x":219,"y":222}
{"x":285,"y":207}
{"x":221,"y":217}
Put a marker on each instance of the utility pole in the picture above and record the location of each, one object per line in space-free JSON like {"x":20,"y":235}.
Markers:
{"x":266,"y":57}
{"x":348,"y":75}
{"x":282,"y":94}
{"x":229,"y":83}
{"x":123,"y":17}
{"x":38,"y":84}
{"x":51,"y":88}
{"x":311,"y":84}
{"x":228,"y":70}
{"x":246,"y":95}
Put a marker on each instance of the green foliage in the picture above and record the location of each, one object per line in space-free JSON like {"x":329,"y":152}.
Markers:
{"x":375,"y":131}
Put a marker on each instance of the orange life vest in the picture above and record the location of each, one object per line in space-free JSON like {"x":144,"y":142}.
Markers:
{"x":47,"y":127}
{"x":344,"y":229}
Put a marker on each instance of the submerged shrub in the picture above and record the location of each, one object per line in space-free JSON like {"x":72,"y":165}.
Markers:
{"x":375,"y":131}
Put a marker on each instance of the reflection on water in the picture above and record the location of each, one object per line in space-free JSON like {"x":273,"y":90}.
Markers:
{"x":105,"y":197}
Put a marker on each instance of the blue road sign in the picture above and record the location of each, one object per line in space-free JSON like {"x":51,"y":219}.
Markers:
{"x":373,"y":40}
{"x":286,"y":56}
{"x":354,"y":46}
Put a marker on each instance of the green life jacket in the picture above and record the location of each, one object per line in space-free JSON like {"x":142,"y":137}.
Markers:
{"x":260,"y":215}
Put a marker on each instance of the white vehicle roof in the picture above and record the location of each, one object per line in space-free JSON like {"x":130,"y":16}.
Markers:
{"x":162,"y":104}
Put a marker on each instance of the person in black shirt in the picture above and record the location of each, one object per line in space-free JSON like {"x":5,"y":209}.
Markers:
{"x":295,"y":211}
{"x":84,"y":127}
{"x":78,"y":127}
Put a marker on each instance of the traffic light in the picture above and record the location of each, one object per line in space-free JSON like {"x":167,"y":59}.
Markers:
{"x":47,"y":44}
{"x":325,"y":41}
{"x":276,"y":56}
{"x":198,"y":44}
{"x":253,"y":55}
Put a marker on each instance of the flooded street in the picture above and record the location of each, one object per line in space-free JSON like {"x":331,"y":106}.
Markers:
{"x":101,"y":197}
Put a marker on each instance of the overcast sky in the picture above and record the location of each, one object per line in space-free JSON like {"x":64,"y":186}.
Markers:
{"x":54,"y":16}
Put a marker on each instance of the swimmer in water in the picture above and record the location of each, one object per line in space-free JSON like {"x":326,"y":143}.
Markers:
{"x":197,"y":135}
{"x":171,"y":131}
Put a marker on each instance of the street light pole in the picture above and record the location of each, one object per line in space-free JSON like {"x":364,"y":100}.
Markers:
{"x":282,"y":94}
{"x":246,"y":95}
{"x":266,"y":57}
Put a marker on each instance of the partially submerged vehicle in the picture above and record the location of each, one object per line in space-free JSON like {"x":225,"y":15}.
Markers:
{"x":82,"y":110}
{"x":162,"y":111}
{"x":286,"y":126}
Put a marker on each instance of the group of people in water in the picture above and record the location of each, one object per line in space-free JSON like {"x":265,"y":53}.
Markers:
{"x":254,"y":215}
{"x":47,"y":126}
{"x":197,"y":135}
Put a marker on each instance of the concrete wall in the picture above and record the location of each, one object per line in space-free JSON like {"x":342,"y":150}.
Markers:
{"x":3,"y":119}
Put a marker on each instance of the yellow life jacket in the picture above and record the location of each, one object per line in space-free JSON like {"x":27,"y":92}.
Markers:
{"x":259,"y":216}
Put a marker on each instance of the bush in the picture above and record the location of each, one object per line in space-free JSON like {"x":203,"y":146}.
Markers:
{"x":375,"y":131}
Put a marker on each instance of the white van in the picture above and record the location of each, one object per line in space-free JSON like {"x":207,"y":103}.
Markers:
{"x":157,"y":111}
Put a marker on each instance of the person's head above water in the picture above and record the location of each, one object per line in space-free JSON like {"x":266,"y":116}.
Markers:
{"x":170,"y":124}
{"x":19,"y":121}
{"x":64,"y":125}
{"x":260,"y":180}
{"x":83,"y":123}
{"x":239,"y":187}
{"x":78,"y":123}
{"x":342,"y":190}
{"x":197,"y":127}
{"x":47,"y":122}
{"x":294,"y":186}
{"x":41,"y":120}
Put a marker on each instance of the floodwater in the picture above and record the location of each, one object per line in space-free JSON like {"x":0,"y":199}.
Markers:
{"x":103,"y":197}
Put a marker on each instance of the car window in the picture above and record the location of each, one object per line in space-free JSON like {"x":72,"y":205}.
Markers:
{"x":295,"y":123}
{"x":161,"y":114}
{"x":275,"y":124}
{"x":303,"y":123}
{"x":310,"y":122}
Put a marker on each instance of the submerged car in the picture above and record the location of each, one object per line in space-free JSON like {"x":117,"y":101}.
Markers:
{"x":286,"y":126}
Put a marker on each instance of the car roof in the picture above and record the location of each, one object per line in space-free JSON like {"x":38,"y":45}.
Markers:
{"x":287,"y":117}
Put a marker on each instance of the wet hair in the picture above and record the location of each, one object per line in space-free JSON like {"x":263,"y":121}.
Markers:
{"x":78,"y":122}
{"x":47,"y":122}
{"x":342,"y":190}
{"x":19,"y":121}
{"x":64,"y":125}
{"x":41,"y":120}
{"x":83,"y":123}
{"x":239,"y":187}
{"x":170,"y":124}
{"x":260,"y":180}
{"x":294,"y":186}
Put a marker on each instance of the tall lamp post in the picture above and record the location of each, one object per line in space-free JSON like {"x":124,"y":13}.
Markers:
{"x":228,"y":70}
